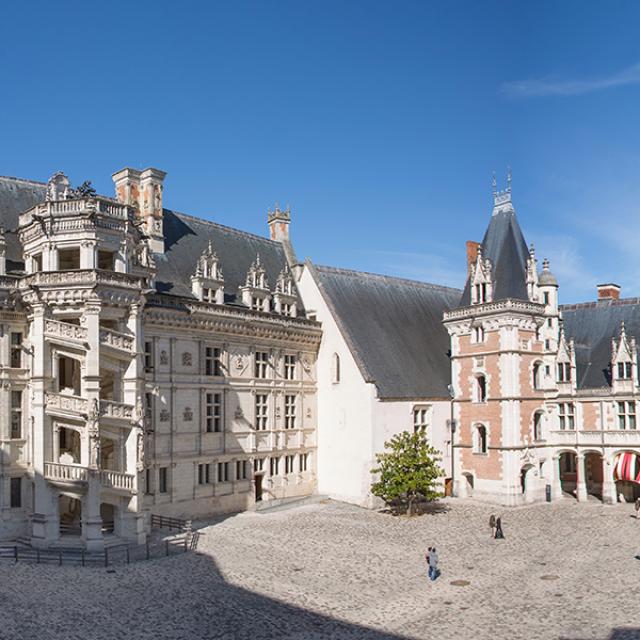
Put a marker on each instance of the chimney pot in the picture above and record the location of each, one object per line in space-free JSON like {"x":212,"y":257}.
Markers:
{"x":608,"y":291}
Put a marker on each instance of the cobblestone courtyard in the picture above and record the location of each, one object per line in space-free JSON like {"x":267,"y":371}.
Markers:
{"x":332,"y":571}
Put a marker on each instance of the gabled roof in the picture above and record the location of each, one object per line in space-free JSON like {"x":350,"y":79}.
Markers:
{"x":592,"y":325}
{"x":505,"y":246}
{"x":393,"y":328}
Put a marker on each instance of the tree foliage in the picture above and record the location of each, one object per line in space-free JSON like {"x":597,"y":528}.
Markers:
{"x":408,"y":471}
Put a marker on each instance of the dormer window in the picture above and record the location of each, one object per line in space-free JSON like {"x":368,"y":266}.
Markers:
{"x":480,"y":280}
{"x":284,"y":298}
{"x":564,"y":372}
{"x":257,"y":303}
{"x":624,"y":371}
{"x":208,"y":282}
{"x":255,"y":292}
{"x":481,"y":293}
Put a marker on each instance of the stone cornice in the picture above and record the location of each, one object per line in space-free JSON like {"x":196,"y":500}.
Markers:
{"x":492,"y":308}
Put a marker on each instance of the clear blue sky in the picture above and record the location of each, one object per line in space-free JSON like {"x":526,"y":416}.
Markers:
{"x":379,"y":122}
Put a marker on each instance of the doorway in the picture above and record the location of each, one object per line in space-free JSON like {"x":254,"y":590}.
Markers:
{"x":257,"y":479}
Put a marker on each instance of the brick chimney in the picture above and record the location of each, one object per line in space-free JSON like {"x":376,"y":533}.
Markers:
{"x":608,"y":291}
{"x":279,"y":221}
{"x":143,"y":191}
{"x":472,"y":254}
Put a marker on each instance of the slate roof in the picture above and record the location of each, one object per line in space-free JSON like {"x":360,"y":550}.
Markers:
{"x":393,"y":328}
{"x":505,"y":246}
{"x":185,"y":239}
{"x":592,"y":325}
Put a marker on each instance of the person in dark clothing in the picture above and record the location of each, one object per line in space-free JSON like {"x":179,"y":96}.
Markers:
{"x":499,"y":535}
{"x":492,"y":524}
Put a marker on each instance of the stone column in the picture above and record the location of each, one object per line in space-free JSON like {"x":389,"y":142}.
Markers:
{"x":91,"y":519}
{"x":609,"y":495}
{"x":556,"y":485}
{"x":581,"y":485}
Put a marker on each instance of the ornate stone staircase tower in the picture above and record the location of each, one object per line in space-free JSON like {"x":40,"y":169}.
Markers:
{"x":88,"y":266}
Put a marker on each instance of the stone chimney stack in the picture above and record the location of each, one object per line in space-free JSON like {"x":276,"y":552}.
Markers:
{"x":472,"y":254}
{"x":143,"y":191}
{"x":279,"y":221}
{"x":608,"y":291}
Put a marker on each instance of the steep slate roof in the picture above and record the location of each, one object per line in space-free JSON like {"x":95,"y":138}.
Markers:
{"x":505,"y":246}
{"x":393,"y":328}
{"x":186,"y":237}
{"x":592,"y":325}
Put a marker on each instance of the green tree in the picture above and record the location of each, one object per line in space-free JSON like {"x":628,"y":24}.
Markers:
{"x":408,"y":471}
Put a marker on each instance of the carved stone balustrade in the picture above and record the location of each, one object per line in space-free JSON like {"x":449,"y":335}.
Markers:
{"x":64,"y":405}
{"x":119,"y":342}
{"x":116,"y":410}
{"x":57,"y":472}
{"x":116,"y":480}
{"x":65,"y":331}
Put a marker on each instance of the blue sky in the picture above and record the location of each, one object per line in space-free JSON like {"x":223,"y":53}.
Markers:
{"x":380,"y":123}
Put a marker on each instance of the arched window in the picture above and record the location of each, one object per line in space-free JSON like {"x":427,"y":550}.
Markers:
{"x":537,"y":425}
{"x":537,"y":375}
{"x":480,"y":390}
{"x":480,"y":439}
{"x":335,"y":369}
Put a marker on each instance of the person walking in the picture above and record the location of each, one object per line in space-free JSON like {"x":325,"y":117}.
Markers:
{"x":492,"y":524}
{"x":433,"y":564}
{"x":499,"y":535}
{"x":637,"y":508}
{"x":426,"y":557}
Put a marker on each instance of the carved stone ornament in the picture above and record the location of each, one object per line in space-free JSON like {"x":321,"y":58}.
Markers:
{"x":306,"y":365}
{"x":187,"y":415}
{"x":140,"y":447}
{"x":278,"y":413}
{"x":187,"y":359}
{"x":164,"y":357}
{"x":239,"y":413}
{"x":239,"y":362}
{"x":165,"y":416}
{"x":309,"y":414}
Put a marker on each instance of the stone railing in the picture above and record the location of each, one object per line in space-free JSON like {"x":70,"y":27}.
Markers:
{"x":57,"y":329}
{"x":608,"y":438}
{"x":62,"y":402}
{"x":119,"y":410}
{"x":65,"y":472}
{"x":495,"y":307}
{"x":75,"y":207}
{"x":81,"y":277}
{"x":116,"y":480}
{"x":116,"y":340}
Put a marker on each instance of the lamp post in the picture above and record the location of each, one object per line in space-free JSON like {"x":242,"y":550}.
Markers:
{"x":452,"y":427}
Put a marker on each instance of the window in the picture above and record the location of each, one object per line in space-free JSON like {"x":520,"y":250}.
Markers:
{"x":223,"y":472}
{"x":16,"y":350}
{"x":566,"y":414}
{"x":261,"y":412}
{"x":537,"y":425}
{"x":286,"y":309}
{"x":303,"y":461}
{"x":564,"y":372}
{"x":16,"y":414}
{"x":37,"y":263}
{"x":212,"y":361}
{"x":148,"y":406}
{"x":480,"y":389}
{"x":569,"y":462}
{"x":624,"y":371}
{"x":335,"y":369}
{"x":68,"y":259}
{"x":289,"y":367}
{"x":241,"y":469}
{"x":203,"y":474}
{"x":537,"y":375}
{"x":481,"y":293}
{"x":148,"y":487}
{"x":258,"y":464}
{"x":258,"y":303}
{"x":148,"y":356}
{"x":162,"y":479}
{"x":478,"y":334}
{"x":547,"y":345}
{"x":289,"y":412}
{"x":274,"y":464}
{"x":262,"y":359}
{"x":105,"y":260}
{"x":480,"y":439}
{"x":16,"y":493}
{"x":288,"y":464}
{"x":545,"y":297}
{"x":627,"y":415}
{"x":420,"y":419}
{"x":213,"y":412}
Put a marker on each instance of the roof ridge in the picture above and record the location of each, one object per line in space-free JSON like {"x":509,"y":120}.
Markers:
{"x":599,"y":303}
{"x":43,"y":184}
{"x":421,"y":283}
{"x":239,"y":232}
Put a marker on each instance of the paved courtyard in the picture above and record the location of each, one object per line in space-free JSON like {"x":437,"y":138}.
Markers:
{"x":334,"y":571}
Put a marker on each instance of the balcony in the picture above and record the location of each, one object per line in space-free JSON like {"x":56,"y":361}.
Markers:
{"x":66,"y":208}
{"x":65,"y":332}
{"x":609,"y":438}
{"x":65,"y":406}
{"x":116,"y":412}
{"x":65,"y":473}
{"x":81,"y":278}
{"x":117,"y":480}
{"x":120,"y":344}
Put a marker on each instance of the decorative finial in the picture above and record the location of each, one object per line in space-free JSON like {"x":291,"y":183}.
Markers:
{"x":509,"y":179}
{"x":494,"y":184}
{"x":545,"y":264}
{"x":532,"y":250}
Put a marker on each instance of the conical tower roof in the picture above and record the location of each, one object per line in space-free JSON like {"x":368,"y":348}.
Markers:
{"x":504,"y":245}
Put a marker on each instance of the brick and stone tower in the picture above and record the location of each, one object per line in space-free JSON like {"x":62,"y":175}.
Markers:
{"x":502,"y":362}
